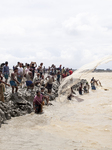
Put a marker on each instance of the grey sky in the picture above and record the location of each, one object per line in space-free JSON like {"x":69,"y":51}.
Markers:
{"x":70,"y":32}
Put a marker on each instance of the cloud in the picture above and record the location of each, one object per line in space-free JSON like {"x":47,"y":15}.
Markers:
{"x":70,"y":33}
{"x":84,"y":24}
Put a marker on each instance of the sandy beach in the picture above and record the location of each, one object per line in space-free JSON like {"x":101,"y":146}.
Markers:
{"x":67,"y":125}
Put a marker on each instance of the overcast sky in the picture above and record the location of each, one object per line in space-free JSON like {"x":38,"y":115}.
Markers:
{"x":67,"y":32}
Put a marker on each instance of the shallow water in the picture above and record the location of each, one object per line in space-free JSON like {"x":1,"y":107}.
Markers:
{"x":67,"y":125}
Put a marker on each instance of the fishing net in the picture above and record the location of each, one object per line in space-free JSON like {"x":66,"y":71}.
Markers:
{"x":68,"y":82}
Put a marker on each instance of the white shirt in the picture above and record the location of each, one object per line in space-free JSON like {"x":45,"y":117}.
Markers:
{"x":28,"y":77}
{"x":27,"y":70}
{"x":36,"y":79}
{"x":20,"y":70}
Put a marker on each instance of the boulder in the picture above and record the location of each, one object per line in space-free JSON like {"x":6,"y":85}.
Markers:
{"x":2,"y":114}
{"x":0,"y":121}
{"x":7,"y":116}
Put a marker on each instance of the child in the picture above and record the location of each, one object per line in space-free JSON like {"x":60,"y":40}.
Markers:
{"x":38,"y":103}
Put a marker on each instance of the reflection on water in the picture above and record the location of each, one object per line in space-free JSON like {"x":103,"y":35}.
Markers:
{"x":68,"y":125}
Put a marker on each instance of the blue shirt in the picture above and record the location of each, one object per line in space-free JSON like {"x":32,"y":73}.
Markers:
{"x":5,"y":70}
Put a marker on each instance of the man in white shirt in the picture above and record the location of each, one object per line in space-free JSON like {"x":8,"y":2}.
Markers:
{"x":20,"y":73}
{"x":27,"y":69}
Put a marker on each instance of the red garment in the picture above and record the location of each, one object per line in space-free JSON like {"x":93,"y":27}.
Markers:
{"x":70,"y":72}
{"x":64,"y":75}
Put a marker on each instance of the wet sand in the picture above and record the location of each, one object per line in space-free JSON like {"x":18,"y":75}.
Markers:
{"x":68,"y":125}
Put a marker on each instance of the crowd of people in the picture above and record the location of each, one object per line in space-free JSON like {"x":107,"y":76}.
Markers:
{"x":31,"y":75}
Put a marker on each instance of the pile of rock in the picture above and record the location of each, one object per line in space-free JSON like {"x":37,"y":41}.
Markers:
{"x":20,"y":104}
{"x":16,"y":106}
{"x":76,"y":86}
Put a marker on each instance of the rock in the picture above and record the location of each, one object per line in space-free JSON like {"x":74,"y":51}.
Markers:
{"x":76,"y":86}
{"x":29,"y":104}
{"x":2,"y":114}
{"x":23,"y":112}
{"x":13,"y":114}
{"x":52,"y":97}
{"x":17,"y":113}
{"x":56,"y":94}
{"x":0,"y":121}
{"x":29,"y":110}
{"x":7,"y":116}
{"x":23,"y":108}
{"x":2,"y":108}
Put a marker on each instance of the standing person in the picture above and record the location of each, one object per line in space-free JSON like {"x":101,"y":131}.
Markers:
{"x":2,"y":87}
{"x":27,"y":69}
{"x":41,"y":65}
{"x":5,"y":71}
{"x":70,"y":71}
{"x":29,"y":82}
{"x":52,"y":72}
{"x":60,"y":68}
{"x":41,"y":69}
{"x":23,"y":69}
{"x":93,"y":81}
{"x":63,"y":70}
{"x":13,"y":81}
{"x":25,"y":65}
{"x":49,"y":83}
{"x":1,"y":77}
{"x":23,"y":77}
{"x":55,"y":70}
{"x":18,"y":64}
{"x":58,"y":77}
{"x":13,"y":68}
{"x":49,"y":70}
{"x":44,"y":70}
{"x":20,"y":73}
{"x":38,"y":102}
{"x":33,"y":65}
{"x":80,"y":89}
